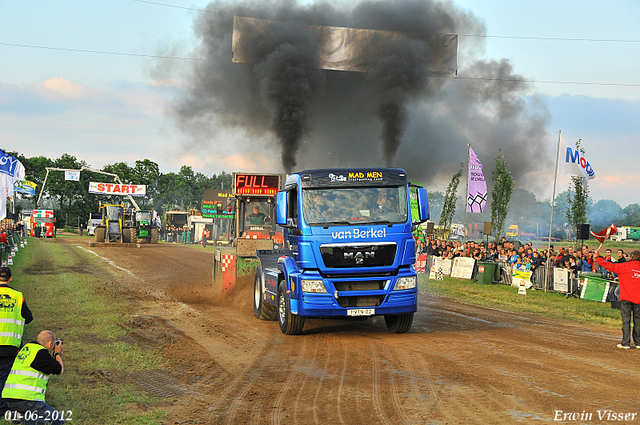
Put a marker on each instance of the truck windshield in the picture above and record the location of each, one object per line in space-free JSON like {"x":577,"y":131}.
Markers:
{"x":114,"y":212}
{"x":143,"y":216}
{"x":361,"y":205}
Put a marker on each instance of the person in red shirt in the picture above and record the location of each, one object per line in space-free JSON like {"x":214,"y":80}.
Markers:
{"x":629,"y":277}
{"x":3,"y":238}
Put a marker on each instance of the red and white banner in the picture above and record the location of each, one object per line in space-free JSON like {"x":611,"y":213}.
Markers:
{"x":117,"y":189}
{"x":421,"y":263}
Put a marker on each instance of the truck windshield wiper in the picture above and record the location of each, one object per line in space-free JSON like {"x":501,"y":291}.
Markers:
{"x":387,"y":222}
{"x":326,"y":225}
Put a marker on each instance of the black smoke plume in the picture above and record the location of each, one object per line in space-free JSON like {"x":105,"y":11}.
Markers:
{"x":395,"y":114}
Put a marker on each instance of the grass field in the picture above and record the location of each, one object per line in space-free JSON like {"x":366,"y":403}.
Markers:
{"x":82,"y":309}
{"x":505,"y":297}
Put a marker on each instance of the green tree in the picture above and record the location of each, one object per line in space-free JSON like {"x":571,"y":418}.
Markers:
{"x":450,"y":198}
{"x":577,"y":198}
{"x":631,"y":215}
{"x":603,"y":213}
{"x":436,"y":202}
{"x":500,"y":194}
{"x":147,"y":172}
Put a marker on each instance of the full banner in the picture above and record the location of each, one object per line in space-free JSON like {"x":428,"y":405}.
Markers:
{"x":342,"y":48}
{"x":117,"y":189}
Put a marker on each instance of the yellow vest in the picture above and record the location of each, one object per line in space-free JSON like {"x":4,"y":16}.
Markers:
{"x":11,"y":320}
{"x":24,"y":382}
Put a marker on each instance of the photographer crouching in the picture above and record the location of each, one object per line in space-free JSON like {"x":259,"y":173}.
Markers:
{"x":27,"y":382}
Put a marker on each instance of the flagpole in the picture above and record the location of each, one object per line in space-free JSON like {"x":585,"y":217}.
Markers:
{"x":553,"y":202}
{"x":466,"y":195}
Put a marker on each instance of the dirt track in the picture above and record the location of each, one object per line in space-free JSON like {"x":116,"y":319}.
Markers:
{"x":458,"y":364}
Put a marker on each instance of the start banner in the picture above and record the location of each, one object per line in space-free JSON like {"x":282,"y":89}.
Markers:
{"x":117,"y":189}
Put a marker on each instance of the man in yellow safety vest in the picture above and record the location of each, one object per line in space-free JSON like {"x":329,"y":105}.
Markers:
{"x":27,"y":382}
{"x":14,"y":314}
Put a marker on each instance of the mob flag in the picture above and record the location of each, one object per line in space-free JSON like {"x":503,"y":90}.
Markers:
{"x":572,"y":163}
{"x":604,"y":234}
{"x":477,"y":196}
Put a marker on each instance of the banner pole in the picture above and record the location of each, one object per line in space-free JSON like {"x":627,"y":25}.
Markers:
{"x":553,"y":202}
{"x":466,"y":195}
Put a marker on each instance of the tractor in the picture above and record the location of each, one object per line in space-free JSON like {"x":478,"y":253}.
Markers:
{"x":112,"y":227}
{"x":144,"y":230}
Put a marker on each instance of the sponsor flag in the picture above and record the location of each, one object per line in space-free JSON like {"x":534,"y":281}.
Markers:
{"x":25,"y":186}
{"x":604,"y":234}
{"x":572,"y":163}
{"x":73,"y":175}
{"x":477,"y":196}
{"x":11,"y":169}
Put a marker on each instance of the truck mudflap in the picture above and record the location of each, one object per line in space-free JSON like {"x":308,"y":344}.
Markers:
{"x":270,"y":273}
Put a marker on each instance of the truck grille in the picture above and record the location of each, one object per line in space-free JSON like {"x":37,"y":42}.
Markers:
{"x":373,"y":285}
{"x":369,"y":255}
{"x":361,"y":301}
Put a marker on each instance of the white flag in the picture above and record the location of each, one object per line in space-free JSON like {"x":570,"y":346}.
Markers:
{"x":572,"y":163}
{"x":73,"y":175}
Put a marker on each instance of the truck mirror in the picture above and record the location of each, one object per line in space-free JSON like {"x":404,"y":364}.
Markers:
{"x":423,"y":205}
{"x":281,"y":209}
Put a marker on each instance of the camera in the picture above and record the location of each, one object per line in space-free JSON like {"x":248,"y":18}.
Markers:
{"x":59,"y":342}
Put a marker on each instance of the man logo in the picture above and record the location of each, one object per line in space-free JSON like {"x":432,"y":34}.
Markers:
{"x":359,"y":256}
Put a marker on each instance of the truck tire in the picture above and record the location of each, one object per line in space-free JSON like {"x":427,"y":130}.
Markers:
{"x":290,"y":324}
{"x":100,"y":233}
{"x":399,"y":323}
{"x":261,"y":309}
{"x":155,"y":235}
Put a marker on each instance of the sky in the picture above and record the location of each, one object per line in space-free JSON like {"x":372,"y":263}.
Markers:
{"x":85,"y":78}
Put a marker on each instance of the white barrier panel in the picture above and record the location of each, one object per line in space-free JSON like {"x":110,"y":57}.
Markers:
{"x":440,"y":264}
{"x":463,"y":267}
{"x":560,"y":280}
{"x":522,"y":278}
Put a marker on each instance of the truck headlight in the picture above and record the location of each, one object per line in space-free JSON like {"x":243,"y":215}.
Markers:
{"x":316,"y":286}
{"x":405,"y":283}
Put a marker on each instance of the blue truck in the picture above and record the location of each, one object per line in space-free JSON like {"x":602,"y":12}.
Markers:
{"x":348,"y":249}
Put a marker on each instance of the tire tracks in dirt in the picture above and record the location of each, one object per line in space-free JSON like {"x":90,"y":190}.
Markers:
{"x":294,"y":377}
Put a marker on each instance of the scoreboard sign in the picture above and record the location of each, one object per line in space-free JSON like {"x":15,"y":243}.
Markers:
{"x":247,"y":184}
{"x":211,"y":199}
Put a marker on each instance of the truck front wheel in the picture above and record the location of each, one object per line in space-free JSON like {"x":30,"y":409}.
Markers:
{"x":290,"y":324}
{"x":399,"y":323}
{"x":261,"y":309}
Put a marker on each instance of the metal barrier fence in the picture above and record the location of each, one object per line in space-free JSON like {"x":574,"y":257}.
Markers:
{"x":8,"y":251}
{"x":542,"y":277}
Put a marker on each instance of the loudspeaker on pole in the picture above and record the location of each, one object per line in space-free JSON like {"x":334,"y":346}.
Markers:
{"x":487,"y":228}
{"x":429,"y":228}
{"x":583,"y":231}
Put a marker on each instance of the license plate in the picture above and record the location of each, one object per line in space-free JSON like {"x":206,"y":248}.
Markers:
{"x":361,"y":312}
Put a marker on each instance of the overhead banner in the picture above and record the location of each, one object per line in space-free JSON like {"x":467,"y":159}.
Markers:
{"x":342,"y":48}
{"x":73,"y":175}
{"x":117,"y":189}
{"x":477,"y":196}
